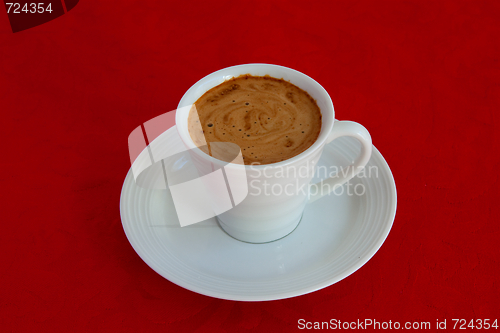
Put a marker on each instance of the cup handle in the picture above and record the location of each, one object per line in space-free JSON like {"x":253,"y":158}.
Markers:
{"x":344,"y":128}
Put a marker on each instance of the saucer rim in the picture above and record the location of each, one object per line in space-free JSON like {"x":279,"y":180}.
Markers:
{"x":297,"y":292}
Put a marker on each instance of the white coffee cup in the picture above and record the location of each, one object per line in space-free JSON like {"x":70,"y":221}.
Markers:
{"x":265,"y":214}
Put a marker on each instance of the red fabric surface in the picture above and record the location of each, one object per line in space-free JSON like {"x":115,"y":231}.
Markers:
{"x":423,"y":77}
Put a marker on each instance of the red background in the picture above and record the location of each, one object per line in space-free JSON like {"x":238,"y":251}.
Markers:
{"x":423,"y":77}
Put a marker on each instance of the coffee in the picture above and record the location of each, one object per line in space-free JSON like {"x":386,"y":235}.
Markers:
{"x":270,"y":119}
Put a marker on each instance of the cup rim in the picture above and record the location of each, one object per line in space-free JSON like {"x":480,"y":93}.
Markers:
{"x":325,"y":131}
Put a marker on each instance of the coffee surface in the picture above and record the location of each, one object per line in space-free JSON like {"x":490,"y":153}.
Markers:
{"x":270,"y":119}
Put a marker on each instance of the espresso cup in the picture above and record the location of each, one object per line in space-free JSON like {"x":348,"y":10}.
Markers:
{"x":277,"y":192}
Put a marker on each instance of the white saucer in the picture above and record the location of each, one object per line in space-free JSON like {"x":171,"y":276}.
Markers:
{"x":337,"y":235}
